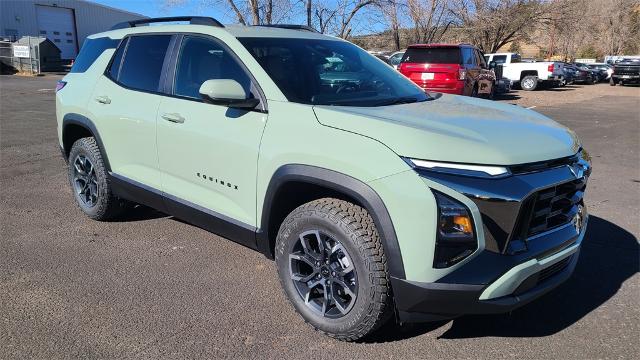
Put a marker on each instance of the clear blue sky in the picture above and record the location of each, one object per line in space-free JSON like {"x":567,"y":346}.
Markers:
{"x":156,"y":8}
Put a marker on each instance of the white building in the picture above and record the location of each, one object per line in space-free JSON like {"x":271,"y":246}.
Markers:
{"x":65,"y":22}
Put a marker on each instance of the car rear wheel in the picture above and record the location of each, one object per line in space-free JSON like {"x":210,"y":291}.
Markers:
{"x":333,"y":269}
{"x":529,"y":83}
{"x":89,"y":181}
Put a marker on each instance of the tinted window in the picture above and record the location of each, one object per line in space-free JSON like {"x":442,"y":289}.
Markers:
{"x":500,"y":59}
{"x":330,"y":72}
{"x":142,"y":64}
{"x":114,"y":68}
{"x":395,"y":59}
{"x":444,"y":55}
{"x":467,"y":56}
{"x":480,"y":59}
{"x":204,"y":59}
{"x":90,"y":51}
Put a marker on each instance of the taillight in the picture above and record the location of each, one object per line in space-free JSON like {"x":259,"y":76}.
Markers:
{"x":462,"y":74}
{"x":60,"y":84}
{"x":550,"y":68}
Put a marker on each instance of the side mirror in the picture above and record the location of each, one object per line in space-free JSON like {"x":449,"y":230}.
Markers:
{"x":227,"y":92}
{"x":492,"y":65}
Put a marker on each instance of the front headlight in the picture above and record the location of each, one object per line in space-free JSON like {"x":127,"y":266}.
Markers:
{"x":455,"y":238}
{"x":487,"y":171}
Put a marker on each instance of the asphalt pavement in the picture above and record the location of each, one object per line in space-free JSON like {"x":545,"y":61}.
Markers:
{"x":150,"y":286}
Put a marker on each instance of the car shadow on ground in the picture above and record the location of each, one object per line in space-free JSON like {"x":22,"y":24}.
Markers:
{"x":510,"y":96}
{"x":140,"y":213}
{"x":609,"y":256}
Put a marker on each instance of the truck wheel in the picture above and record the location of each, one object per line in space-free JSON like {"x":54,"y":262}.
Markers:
{"x":333,"y":269}
{"x":529,"y":83}
{"x":89,"y":181}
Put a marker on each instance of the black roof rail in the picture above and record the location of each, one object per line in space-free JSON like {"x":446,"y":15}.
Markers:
{"x":291,"y":27}
{"x":193,"y":20}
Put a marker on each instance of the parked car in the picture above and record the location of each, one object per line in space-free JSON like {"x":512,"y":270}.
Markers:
{"x":626,"y":71}
{"x":606,"y":68}
{"x":395,"y":58}
{"x":528,"y":75}
{"x":594,"y":75}
{"x":599,"y":73}
{"x":580,"y":74}
{"x":454,"y":69}
{"x":376,"y":200}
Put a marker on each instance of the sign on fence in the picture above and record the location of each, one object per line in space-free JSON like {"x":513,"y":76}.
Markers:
{"x":21,"y":51}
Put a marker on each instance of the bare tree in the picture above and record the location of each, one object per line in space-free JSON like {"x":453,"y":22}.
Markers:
{"x":389,"y":10}
{"x":430,"y":19}
{"x":491,"y":24}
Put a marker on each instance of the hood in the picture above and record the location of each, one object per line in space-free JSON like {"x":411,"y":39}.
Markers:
{"x":457,"y":129}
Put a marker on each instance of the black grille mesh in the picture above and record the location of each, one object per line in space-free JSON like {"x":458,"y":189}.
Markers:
{"x":555,"y":206}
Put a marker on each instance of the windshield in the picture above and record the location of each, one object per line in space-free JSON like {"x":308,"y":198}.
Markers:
{"x":331,"y":72}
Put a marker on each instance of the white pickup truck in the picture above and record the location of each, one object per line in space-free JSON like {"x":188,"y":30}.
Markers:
{"x":527,"y":74}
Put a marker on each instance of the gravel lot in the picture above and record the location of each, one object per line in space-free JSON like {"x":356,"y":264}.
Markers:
{"x":153,"y":287}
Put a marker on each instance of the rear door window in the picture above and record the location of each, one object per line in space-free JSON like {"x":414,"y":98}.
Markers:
{"x":142,"y":65}
{"x":436,"y":55}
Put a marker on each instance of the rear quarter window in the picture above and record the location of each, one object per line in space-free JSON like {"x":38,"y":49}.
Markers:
{"x":91,"y":50}
{"x":443,"y":55}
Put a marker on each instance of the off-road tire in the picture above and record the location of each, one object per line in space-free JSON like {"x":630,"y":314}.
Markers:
{"x":355,"y":229}
{"x":107,"y":205}
{"x":529,"y":83}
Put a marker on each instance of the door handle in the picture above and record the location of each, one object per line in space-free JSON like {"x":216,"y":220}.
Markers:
{"x":173,"y":117}
{"x":103,"y":100}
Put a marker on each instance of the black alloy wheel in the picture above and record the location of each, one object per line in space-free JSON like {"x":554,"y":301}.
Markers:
{"x":323,"y":274}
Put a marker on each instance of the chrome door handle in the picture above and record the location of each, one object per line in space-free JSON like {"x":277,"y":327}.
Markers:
{"x":103,"y":100}
{"x":173,"y":117}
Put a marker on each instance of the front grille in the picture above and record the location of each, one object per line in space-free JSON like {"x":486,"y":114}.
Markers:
{"x":555,"y":206}
{"x":626,"y":70}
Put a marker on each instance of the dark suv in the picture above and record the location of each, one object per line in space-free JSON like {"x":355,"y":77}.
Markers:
{"x":455,"y":69}
{"x":626,"y":71}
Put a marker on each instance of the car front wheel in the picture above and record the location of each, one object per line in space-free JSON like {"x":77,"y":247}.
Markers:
{"x":89,"y":181}
{"x":333,"y":269}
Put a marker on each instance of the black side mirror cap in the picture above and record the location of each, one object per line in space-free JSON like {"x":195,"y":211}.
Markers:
{"x":246,"y":104}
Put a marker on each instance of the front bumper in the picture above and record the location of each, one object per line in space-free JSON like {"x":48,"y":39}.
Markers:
{"x":626,"y":78}
{"x":515,"y":286}
{"x":518,"y":261}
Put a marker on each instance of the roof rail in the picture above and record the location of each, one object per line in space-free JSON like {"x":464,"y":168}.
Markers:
{"x":193,"y":20}
{"x":291,"y":27}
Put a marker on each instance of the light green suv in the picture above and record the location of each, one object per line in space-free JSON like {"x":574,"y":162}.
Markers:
{"x":376,"y":200}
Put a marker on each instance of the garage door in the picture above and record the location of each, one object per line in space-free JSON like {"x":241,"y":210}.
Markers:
{"x":58,"y":25}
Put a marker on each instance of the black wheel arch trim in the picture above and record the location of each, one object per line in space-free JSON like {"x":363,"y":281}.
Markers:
{"x":339,"y":182}
{"x":85,"y":122}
